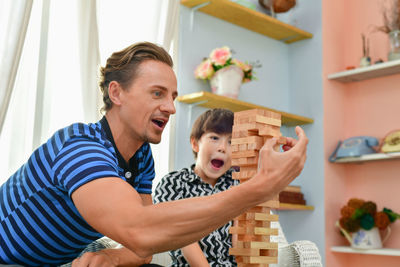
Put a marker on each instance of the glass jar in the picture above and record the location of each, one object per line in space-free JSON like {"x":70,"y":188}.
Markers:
{"x":394,"y":40}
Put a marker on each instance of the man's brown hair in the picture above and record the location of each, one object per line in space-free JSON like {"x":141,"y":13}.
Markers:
{"x":217,"y":120}
{"x":123,"y":66}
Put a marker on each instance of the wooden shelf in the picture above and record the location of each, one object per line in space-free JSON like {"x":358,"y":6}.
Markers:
{"x":370,"y":157}
{"x":287,"y":206}
{"x":250,"y":19}
{"x":373,"y":71}
{"x":210,"y":100}
{"x":381,"y":251}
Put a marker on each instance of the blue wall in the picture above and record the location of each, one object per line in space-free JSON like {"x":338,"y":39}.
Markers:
{"x":290,"y":80}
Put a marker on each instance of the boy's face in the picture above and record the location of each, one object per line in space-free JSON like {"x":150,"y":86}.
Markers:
{"x":213,"y":156}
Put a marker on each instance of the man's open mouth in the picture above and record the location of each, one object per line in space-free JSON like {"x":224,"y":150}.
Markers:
{"x":159,"y":123}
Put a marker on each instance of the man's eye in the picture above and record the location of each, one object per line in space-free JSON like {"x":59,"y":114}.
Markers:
{"x":157,"y":93}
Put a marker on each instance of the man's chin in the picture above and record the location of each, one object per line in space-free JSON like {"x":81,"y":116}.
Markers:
{"x":152,"y":140}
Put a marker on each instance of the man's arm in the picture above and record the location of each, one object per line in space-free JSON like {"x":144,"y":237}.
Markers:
{"x":119,"y":212}
{"x":114,"y":256}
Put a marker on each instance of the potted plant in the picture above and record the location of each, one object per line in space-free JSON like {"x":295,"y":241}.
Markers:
{"x":360,"y":223}
{"x":226,"y":74}
{"x":391,"y":18}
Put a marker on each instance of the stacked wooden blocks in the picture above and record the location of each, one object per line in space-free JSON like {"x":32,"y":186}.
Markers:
{"x":251,"y":231}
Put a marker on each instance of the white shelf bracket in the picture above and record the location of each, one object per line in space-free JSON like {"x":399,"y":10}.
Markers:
{"x":193,"y":10}
{"x":190,"y":106}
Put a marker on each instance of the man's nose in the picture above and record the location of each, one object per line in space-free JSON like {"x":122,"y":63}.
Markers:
{"x":169,"y":106}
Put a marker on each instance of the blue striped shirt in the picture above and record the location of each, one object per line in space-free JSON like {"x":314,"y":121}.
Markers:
{"x":39,"y":224}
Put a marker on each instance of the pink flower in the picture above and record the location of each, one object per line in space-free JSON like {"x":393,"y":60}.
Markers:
{"x":204,"y":70}
{"x":219,"y":56}
{"x":245,"y":67}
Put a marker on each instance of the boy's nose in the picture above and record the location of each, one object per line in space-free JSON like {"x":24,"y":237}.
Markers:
{"x":222,"y":147}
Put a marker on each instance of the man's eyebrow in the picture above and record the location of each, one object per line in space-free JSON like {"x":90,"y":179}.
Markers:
{"x":175,"y":93}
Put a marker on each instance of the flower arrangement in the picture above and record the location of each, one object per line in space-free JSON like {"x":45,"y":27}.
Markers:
{"x":220,"y":58}
{"x":363,"y":214}
{"x":391,"y":16}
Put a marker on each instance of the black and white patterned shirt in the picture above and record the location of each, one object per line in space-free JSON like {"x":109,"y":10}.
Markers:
{"x":185,"y":183}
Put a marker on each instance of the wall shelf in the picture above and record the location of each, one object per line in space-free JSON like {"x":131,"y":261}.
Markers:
{"x":287,"y":206}
{"x":370,"y":72}
{"x":210,"y":100}
{"x":370,"y":157}
{"x":249,"y":19}
{"x":381,"y":251}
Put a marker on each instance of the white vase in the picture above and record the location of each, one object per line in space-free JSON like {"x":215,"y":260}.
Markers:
{"x":394,"y":40}
{"x":365,"y":239}
{"x":227,"y":81}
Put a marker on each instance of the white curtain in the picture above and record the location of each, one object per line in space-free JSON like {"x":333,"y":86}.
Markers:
{"x":14,"y":18}
{"x":90,"y":59}
{"x":60,"y":87}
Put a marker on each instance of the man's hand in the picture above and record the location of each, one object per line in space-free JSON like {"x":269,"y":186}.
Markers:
{"x":98,"y":259}
{"x":280,"y":168}
{"x":110,"y":258}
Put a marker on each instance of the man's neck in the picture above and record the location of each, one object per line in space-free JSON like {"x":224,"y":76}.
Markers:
{"x":126,"y":145}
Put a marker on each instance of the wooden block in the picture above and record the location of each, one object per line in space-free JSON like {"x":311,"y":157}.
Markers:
{"x":244,"y":154}
{"x":293,"y":188}
{"x":273,"y":204}
{"x":254,"y":238}
{"x":245,"y":161}
{"x":255,"y":244}
{"x":253,"y":230}
{"x":234,"y":148}
{"x":243,"y":133}
{"x":281,"y":140}
{"x":243,"y":147}
{"x":258,"y":216}
{"x":241,"y":264}
{"x":260,"y":260}
{"x":250,"y":127}
{"x":247,"y":140}
{"x":257,"y":118}
{"x":254,"y":223}
{"x":244,"y":251}
{"x":262,"y":112}
{"x":249,"y":112}
{"x":268,"y":130}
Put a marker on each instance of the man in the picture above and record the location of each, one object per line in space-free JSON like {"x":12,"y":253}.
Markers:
{"x":93,"y":180}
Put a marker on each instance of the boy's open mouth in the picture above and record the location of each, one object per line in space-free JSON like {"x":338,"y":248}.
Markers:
{"x":217,"y":163}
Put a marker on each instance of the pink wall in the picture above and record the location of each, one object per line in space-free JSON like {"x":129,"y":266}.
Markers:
{"x":370,"y":107}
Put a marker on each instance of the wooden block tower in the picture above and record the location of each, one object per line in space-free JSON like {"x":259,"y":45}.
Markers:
{"x":251,"y":231}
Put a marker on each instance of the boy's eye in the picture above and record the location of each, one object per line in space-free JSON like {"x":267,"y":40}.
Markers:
{"x":213,"y":137}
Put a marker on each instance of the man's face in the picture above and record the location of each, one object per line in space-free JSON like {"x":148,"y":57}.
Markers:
{"x":213,"y":156}
{"x":148,"y":101}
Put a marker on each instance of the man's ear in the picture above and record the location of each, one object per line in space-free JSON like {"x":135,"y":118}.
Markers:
{"x":114,"y":92}
{"x":195,"y":144}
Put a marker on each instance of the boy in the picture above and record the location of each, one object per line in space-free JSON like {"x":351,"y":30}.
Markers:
{"x":211,"y":144}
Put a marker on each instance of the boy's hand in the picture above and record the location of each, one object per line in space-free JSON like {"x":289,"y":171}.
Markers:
{"x":277,"y":169}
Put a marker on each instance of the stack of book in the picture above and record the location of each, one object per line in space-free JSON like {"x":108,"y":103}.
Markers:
{"x":292,"y":195}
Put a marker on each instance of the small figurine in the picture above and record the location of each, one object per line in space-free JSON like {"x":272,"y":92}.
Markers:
{"x":365,"y":60}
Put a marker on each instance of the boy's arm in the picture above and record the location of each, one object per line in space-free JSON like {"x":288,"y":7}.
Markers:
{"x":111,"y":207}
{"x":194,"y":255}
